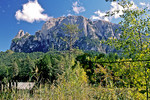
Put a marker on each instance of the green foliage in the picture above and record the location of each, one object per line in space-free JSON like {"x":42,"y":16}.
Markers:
{"x":73,"y":83}
{"x":92,"y":42}
{"x":94,"y":70}
{"x":133,"y":45}
{"x":17,"y":66}
{"x":9,"y":56}
{"x":71,"y":31}
{"x":26,"y":35}
{"x":50,"y":66}
{"x":70,"y":85}
{"x":3,"y":72}
{"x":16,"y":40}
{"x":13,"y":70}
{"x":21,"y":66}
{"x":25,"y":69}
{"x":135,"y":29}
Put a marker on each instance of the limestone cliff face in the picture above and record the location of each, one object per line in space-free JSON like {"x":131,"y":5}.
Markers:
{"x":20,"y":34}
{"x":51,"y":33}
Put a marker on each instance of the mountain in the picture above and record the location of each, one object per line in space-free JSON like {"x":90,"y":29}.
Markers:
{"x":50,"y":36}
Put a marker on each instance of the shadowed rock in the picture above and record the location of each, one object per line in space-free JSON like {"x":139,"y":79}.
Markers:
{"x":51,"y":34}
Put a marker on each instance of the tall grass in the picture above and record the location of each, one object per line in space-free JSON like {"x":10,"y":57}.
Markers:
{"x":73,"y":85}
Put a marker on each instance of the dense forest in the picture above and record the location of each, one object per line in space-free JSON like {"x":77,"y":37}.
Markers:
{"x":86,"y":75}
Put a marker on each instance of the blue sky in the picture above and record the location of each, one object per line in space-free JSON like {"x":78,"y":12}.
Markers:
{"x":30,"y":15}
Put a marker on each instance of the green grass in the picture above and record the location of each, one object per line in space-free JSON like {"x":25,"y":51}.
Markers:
{"x":84,"y":92}
{"x":73,"y":85}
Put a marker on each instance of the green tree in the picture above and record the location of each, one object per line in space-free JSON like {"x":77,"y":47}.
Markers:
{"x":134,"y":42}
{"x":25,"y":68}
{"x":71,"y":31}
{"x":97,"y":73}
{"x":15,"y":69}
{"x":12,"y":71}
{"x":3,"y":72}
{"x":49,"y":67}
{"x":134,"y":29}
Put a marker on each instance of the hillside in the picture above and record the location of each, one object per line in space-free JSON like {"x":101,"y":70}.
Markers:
{"x":49,"y":37}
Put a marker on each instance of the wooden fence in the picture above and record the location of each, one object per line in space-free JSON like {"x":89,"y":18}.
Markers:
{"x":15,"y":85}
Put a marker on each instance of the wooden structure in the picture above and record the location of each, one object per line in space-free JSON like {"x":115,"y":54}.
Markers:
{"x":17,"y":86}
{"x":25,"y":85}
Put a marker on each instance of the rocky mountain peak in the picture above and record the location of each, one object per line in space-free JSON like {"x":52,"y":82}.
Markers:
{"x":20,"y":34}
{"x":58,"y":22}
{"x":51,"y":34}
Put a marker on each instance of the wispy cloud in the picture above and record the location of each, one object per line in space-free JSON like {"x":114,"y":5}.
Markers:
{"x":145,"y":4}
{"x":32,"y":11}
{"x":142,"y":3}
{"x":99,"y":15}
{"x":77,"y":8}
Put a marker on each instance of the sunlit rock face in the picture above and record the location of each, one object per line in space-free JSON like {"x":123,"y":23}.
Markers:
{"x":20,"y":34}
{"x":49,"y":37}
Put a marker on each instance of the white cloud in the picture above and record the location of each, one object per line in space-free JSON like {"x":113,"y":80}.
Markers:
{"x":32,"y":11}
{"x":143,"y":4}
{"x":100,"y":16}
{"x":114,"y":7}
{"x":77,"y":8}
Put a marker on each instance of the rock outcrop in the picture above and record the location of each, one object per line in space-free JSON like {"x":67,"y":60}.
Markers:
{"x":20,"y":34}
{"x":49,"y":37}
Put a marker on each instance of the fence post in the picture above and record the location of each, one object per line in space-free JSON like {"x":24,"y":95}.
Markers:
{"x":13,"y":83}
{"x":16,"y":86}
{"x":31,"y":92}
{"x":0,"y":86}
{"x":3,"y":87}
{"x":10,"y":87}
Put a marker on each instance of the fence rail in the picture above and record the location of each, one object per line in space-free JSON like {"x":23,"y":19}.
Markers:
{"x":146,"y":60}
